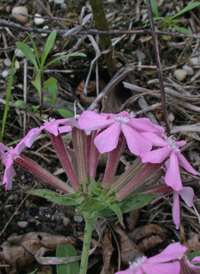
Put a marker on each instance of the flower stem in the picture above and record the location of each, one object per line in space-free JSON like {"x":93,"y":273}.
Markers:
{"x":90,"y":219}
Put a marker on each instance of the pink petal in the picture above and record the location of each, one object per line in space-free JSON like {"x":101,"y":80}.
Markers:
{"x":64,"y":129}
{"x":142,"y":124}
{"x":155,"y":139}
{"x":176,"y":210}
{"x":159,"y":130}
{"x":135,"y":141}
{"x":173,"y":177}
{"x":196,"y":260}
{"x":187,"y":267}
{"x":155,"y":156}
{"x":171,"y":252}
{"x":9,"y":173}
{"x":90,"y":120}
{"x":162,"y":268}
{"x":186,"y":164}
{"x":108,"y":139}
{"x":187,"y":194}
{"x":180,"y":143}
{"x":127,"y":271}
{"x":32,"y":135}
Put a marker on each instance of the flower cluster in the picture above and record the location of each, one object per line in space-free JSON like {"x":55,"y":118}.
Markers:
{"x":110,"y":133}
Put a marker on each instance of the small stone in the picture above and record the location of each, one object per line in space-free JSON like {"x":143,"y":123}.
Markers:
{"x":19,"y":53}
{"x":171,"y":117}
{"x":59,"y":1}
{"x":7,"y":62}
{"x":194,"y":61}
{"x":189,"y":70}
{"x":44,"y":34}
{"x":20,"y":18}
{"x":180,"y":74}
{"x":38,"y":21}
{"x":5,"y":73}
{"x":23,"y":224}
{"x":66,"y":221}
{"x":63,"y":6}
{"x":78,"y":218}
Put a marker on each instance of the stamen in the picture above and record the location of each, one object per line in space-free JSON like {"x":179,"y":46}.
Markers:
{"x":172,"y":143}
{"x":138,"y":262}
{"x":121,"y":119}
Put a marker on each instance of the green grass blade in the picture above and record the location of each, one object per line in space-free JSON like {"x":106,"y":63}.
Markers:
{"x":48,"y":46}
{"x":186,"y":9}
{"x":65,"y":56}
{"x":28,"y":53}
{"x":9,"y":90}
{"x":35,"y":50}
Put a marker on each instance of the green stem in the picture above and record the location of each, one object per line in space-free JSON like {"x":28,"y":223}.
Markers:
{"x":90,"y":219}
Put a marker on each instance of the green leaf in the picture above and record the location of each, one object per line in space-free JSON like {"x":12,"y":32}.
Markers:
{"x":166,"y":37}
{"x":64,"y":113}
{"x":92,"y":204}
{"x":153,"y":7}
{"x":67,"y":251}
{"x":73,"y":199}
{"x":48,"y":46}
{"x":35,"y":50}
{"x":192,"y":255}
{"x":34,"y":271}
{"x":134,"y":202}
{"x":187,"y":8}
{"x":181,"y":30}
{"x":49,"y":82}
{"x":28,"y":53}
{"x":65,"y":56}
{"x":47,"y":99}
{"x":95,"y":187}
{"x":21,"y":103}
{"x":35,"y":108}
{"x":115,"y":207}
{"x":37,"y":83}
{"x":53,"y":90}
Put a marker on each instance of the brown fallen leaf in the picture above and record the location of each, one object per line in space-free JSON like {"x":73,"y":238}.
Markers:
{"x":146,"y":231}
{"x":129,"y":250}
{"x":91,"y":88}
{"x":19,"y":251}
{"x":132,"y":218}
{"x":193,"y":244}
{"x":107,"y":251}
{"x":149,"y":243}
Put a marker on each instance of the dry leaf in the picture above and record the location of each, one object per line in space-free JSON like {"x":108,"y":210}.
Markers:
{"x":107,"y":251}
{"x":129,"y":250}
{"x":19,"y":251}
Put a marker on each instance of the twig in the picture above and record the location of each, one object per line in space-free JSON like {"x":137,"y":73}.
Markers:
{"x":160,"y":77}
{"x":88,"y":31}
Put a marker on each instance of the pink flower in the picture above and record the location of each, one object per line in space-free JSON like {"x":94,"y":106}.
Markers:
{"x":189,"y":267}
{"x":158,"y":264}
{"x":187,"y":194}
{"x":8,"y":160}
{"x":169,"y":148}
{"x":115,"y":123}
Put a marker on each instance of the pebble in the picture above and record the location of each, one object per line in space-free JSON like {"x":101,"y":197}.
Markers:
{"x":59,"y":1}
{"x":66,"y":221}
{"x":23,"y":224}
{"x":171,"y":117}
{"x":189,"y":70}
{"x":7,"y":62}
{"x":78,"y":218}
{"x":19,"y":53}
{"x":44,"y":34}
{"x":5,"y":73}
{"x":38,"y":21}
{"x":63,"y":6}
{"x":193,"y":61}
{"x":20,"y":18}
{"x":180,"y":74}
